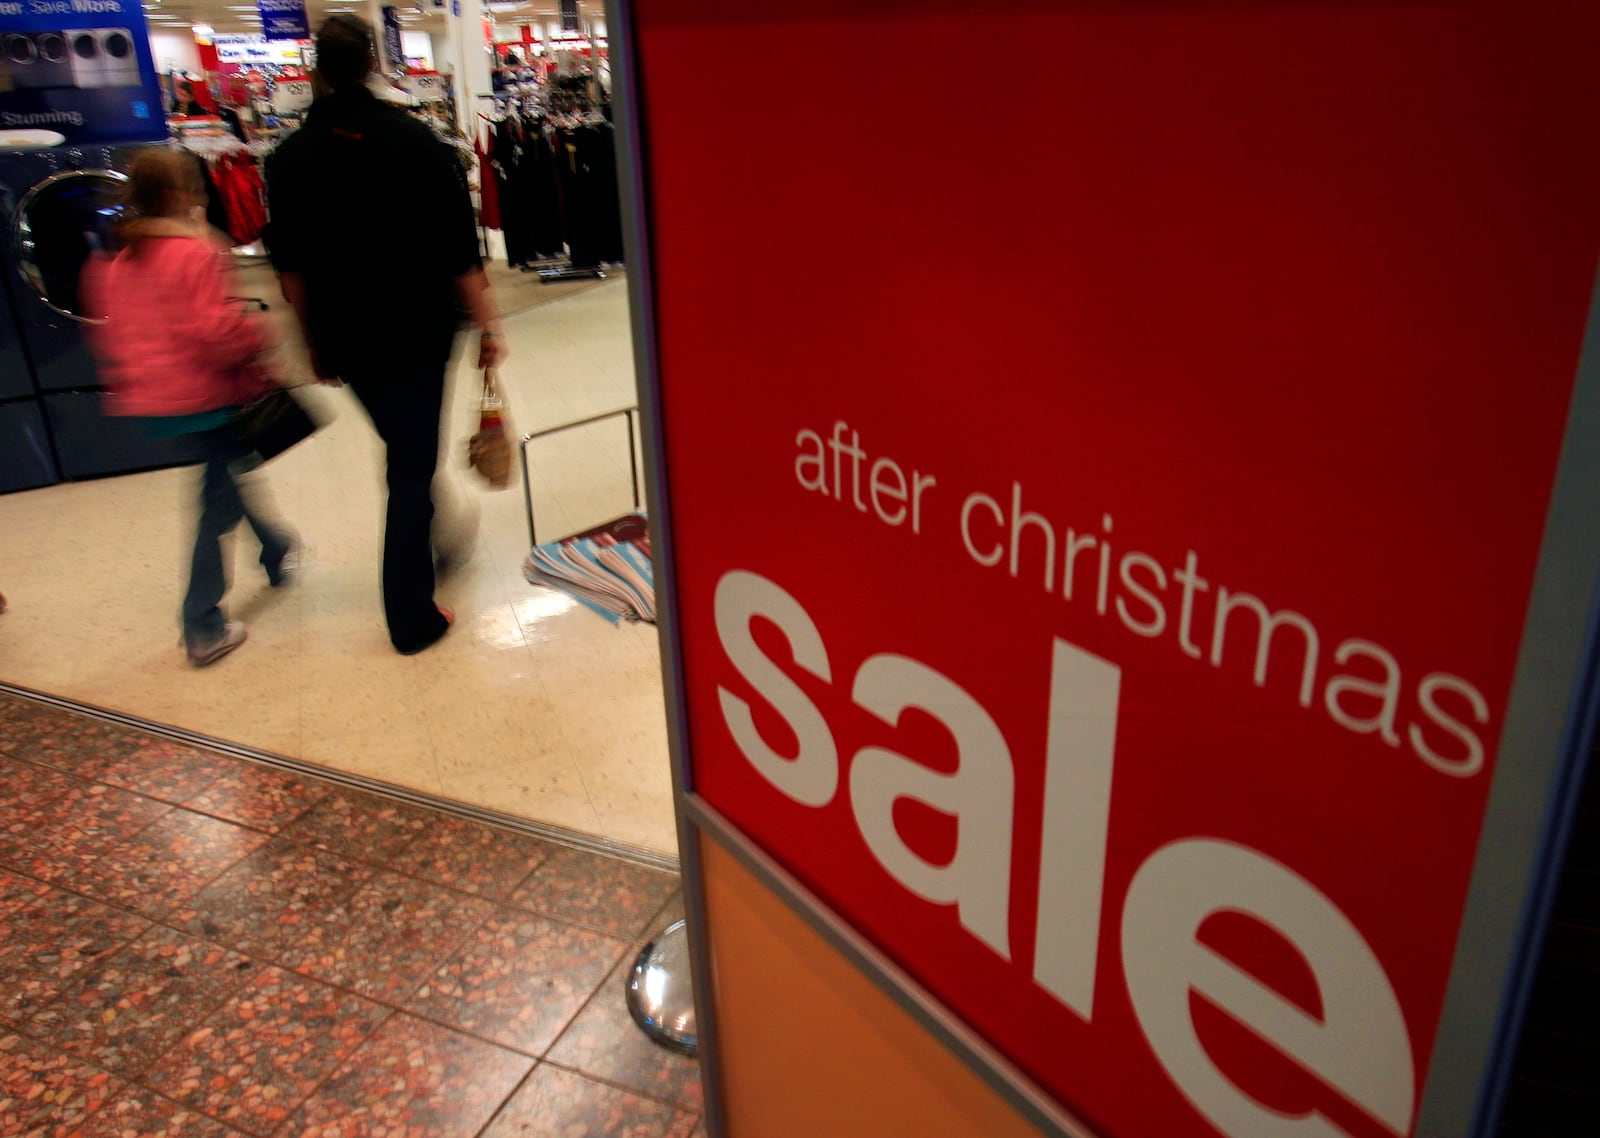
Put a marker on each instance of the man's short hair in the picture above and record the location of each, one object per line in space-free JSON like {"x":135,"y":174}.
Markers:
{"x":344,"y":51}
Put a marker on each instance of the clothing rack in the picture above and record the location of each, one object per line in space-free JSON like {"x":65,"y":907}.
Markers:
{"x":554,"y":165}
{"x":235,"y":193}
{"x":208,"y":147}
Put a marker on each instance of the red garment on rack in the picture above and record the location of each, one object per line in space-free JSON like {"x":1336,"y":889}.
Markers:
{"x":243,"y":196}
{"x":488,"y":188}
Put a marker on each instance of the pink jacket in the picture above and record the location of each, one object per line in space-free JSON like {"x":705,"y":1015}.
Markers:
{"x":172,"y":343}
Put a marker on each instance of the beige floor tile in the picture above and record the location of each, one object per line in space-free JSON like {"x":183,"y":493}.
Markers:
{"x":130,"y":676}
{"x":532,"y":705}
{"x":629,"y":780}
{"x":520,"y":779}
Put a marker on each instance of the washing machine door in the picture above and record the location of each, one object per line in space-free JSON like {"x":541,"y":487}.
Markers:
{"x":60,"y":224}
{"x":21,"y":50}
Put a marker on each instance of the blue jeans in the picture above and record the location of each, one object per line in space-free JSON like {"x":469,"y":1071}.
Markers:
{"x":221,"y":507}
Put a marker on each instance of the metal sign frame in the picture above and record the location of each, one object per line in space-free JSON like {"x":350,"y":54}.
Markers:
{"x":1540,"y":763}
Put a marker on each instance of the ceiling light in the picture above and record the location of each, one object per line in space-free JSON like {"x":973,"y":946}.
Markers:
{"x":204,"y":30}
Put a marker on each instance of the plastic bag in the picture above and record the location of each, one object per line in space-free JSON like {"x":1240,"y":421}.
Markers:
{"x":489,"y":449}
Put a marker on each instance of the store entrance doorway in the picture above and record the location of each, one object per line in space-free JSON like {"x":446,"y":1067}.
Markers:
{"x":535,"y":709}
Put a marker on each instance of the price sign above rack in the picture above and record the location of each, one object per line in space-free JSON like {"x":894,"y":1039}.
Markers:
{"x":291,"y":95}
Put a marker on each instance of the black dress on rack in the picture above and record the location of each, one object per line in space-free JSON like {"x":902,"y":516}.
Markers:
{"x":530,"y":198}
{"x":510,"y":159}
{"x":602,"y":163}
{"x":589,"y":186}
{"x":544,"y":188}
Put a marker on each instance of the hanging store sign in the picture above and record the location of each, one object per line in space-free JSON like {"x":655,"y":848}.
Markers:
{"x":1121,"y":629}
{"x":393,"y":43}
{"x":289,"y":95}
{"x":80,"y":71}
{"x":284,"y":19}
{"x":243,"y":50}
{"x":424,"y":86}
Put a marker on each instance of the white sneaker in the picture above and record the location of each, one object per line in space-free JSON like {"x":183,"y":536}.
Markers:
{"x":233,"y":635}
{"x":290,"y":568}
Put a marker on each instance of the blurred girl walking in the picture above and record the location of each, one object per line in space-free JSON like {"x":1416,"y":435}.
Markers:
{"x":178,"y":351}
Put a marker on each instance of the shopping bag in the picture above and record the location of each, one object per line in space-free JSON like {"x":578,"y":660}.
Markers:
{"x":273,"y":423}
{"x":489,"y":449}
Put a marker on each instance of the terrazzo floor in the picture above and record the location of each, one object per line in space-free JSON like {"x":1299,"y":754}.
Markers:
{"x":192,"y":944}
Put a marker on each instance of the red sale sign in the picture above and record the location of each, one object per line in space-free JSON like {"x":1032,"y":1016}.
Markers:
{"x":1108,"y":478}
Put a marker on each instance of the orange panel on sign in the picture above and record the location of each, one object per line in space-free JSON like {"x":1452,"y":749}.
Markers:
{"x":810,"y":1046}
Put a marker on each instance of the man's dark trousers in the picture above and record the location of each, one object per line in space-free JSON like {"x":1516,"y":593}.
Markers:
{"x":404,"y":400}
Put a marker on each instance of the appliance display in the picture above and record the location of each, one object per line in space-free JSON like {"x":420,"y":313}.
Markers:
{"x":102,"y":57}
{"x":38,"y":60}
{"x":51,"y":222}
{"x":82,"y":70}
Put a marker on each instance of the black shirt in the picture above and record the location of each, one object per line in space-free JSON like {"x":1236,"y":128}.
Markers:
{"x":372,"y":210}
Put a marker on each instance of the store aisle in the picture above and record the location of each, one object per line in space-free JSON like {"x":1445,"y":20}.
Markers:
{"x":196,"y":945}
{"x":532,"y":706}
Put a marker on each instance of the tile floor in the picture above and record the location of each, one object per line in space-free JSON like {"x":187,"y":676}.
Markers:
{"x":532,"y":706}
{"x":196,"y":945}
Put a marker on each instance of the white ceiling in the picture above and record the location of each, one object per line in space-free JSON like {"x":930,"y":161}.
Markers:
{"x":237,"y":16}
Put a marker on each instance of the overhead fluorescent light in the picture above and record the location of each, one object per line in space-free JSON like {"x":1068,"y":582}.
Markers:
{"x":204,"y":29}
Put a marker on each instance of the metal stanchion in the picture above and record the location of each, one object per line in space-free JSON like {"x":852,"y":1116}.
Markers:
{"x":661,"y":990}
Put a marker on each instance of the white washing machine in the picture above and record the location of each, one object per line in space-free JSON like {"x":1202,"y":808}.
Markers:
{"x":37,"y":59}
{"x":102,"y":57}
{"x":121,"y":57}
{"x":88,"y":62}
